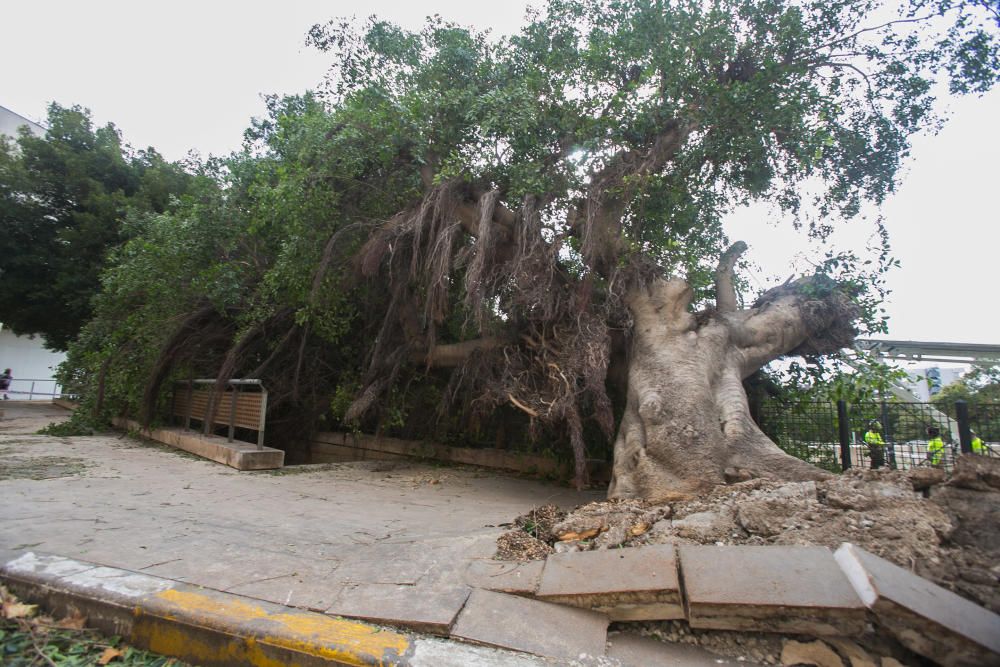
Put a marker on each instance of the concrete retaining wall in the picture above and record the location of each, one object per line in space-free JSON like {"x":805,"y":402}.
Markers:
{"x":338,"y":447}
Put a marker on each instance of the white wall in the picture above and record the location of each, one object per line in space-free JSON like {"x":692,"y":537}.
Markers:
{"x":26,"y":356}
{"x":11,"y":121}
{"x":28,"y":360}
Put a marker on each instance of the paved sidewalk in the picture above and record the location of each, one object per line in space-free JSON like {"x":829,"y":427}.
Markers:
{"x":382,"y":541}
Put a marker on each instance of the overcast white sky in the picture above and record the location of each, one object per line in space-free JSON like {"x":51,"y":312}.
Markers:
{"x":185,"y":75}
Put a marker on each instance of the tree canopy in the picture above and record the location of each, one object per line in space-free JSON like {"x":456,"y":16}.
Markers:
{"x":62,"y":201}
{"x":481,"y":222}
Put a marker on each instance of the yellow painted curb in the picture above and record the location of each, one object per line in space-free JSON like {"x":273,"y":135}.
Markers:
{"x":198,"y":625}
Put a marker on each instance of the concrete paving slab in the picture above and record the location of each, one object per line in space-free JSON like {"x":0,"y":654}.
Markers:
{"x":505,"y":576}
{"x":145,"y":507}
{"x":207,"y":627}
{"x":626,"y":584}
{"x":423,"y":609}
{"x":769,"y":588}
{"x":926,"y":618}
{"x":531,"y":626}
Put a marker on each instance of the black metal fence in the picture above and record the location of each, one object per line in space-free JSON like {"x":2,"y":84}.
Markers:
{"x":832,"y":435}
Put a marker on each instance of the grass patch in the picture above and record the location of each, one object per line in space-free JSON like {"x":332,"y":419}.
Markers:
{"x":28,"y":639}
{"x":41,"y":467}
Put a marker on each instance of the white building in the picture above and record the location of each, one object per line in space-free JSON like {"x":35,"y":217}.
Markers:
{"x":924,"y":383}
{"x":31,"y":364}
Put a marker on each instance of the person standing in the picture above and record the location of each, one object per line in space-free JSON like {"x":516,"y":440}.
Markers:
{"x":876,"y":445}
{"x":977,"y":444}
{"x":5,"y":379}
{"x":935,"y":446}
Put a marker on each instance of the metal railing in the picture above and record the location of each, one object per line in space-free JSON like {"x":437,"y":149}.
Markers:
{"x":191,"y":404}
{"x":32,"y":387}
{"x":832,"y":435}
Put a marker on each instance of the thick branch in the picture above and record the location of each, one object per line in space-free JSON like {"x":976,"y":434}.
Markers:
{"x":597,"y":218}
{"x":454,"y":354}
{"x":809,"y":316}
{"x":725,"y":291}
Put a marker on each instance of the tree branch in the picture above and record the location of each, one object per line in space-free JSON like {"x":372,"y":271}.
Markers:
{"x":454,"y":354}
{"x":725,"y":291}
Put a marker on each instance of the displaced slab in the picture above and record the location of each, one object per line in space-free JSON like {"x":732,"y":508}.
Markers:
{"x":420,"y":608}
{"x":634,"y":584}
{"x":926,"y":618}
{"x":769,"y":588}
{"x":236,"y":454}
{"x":505,"y":576}
{"x":531,"y":626}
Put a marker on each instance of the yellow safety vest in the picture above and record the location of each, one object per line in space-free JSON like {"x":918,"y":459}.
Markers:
{"x":874,"y":438}
{"x":977,"y":445}
{"x":935,"y":448}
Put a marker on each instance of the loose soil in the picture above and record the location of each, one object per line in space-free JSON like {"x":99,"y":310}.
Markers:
{"x":943,"y":528}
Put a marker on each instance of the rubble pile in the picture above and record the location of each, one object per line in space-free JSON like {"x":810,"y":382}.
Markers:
{"x":943,"y":528}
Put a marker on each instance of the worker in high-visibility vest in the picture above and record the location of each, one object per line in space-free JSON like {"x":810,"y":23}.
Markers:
{"x":935,"y":446}
{"x":977,"y":444}
{"x":876,"y":445}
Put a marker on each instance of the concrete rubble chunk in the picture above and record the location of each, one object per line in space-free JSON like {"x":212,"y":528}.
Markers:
{"x":793,"y":589}
{"x":855,"y":655}
{"x":505,"y":576}
{"x":634,"y":584}
{"x":531,"y":626}
{"x":927,"y":619}
{"x":422,"y":608}
{"x":809,"y":653}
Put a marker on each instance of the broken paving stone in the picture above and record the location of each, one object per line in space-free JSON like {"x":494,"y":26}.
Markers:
{"x":531,"y":626}
{"x":770,"y":589}
{"x":814,"y":653}
{"x":505,"y":576}
{"x":626,"y":584}
{"x":421,"y":608}
{"x":925,"y":618}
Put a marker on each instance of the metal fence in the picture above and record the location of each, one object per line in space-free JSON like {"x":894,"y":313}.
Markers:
{"x":32,"y":389}
{"x":832,"y":435}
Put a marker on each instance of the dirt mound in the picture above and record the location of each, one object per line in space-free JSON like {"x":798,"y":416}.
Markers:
{"x":944,"y":529}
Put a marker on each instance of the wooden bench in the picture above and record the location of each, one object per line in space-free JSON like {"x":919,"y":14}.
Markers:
{"x":243,"y":404}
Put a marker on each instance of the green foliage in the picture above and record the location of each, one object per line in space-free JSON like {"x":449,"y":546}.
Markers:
{"x":981,"y":384}
{"x":23,"y":647}
{"x":63,"y":198}
{"x":856,"y":378}
{"x":667,"y":113}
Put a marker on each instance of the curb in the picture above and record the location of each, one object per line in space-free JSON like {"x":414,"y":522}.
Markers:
{"x":208,"y":627}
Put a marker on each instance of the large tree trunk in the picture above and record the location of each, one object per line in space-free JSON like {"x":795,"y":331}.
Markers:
{"x":687,"y":424}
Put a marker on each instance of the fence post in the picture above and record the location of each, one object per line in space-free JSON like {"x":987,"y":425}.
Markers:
{"x":964,"y":430}
{"x":844,"y":428}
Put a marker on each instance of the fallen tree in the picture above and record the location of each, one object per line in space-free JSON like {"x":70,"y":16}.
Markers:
{"x":534,"y":223}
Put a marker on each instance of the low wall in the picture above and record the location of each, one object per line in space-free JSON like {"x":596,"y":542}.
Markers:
{"x":236,"y":454}
{"x":339,"y":447}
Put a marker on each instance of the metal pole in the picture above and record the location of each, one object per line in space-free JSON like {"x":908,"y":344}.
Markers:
{"x":31,"y":392}
{"x":964,"y":430}
{"x":232,"y":415}
{"x":263,"y":415}
{"x":190,"y":406}
{"x":844,"y":428}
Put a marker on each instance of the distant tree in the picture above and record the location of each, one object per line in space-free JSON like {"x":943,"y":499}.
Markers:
{"x":62,"y":201}
{"x":980,"y":384}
